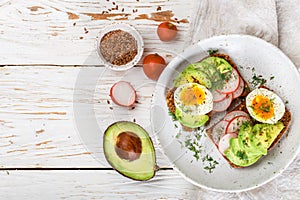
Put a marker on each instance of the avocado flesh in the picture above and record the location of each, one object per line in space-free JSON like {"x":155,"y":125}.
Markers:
{"x":207,"y":72}
{"x":265,"y":134}
{"x":192,"y":75}
{"x":191,"y":121}
{"x":252,"y":143}
{"x":244,"y":138}
{"x":142,"y":168}
{"x":239,"y":156}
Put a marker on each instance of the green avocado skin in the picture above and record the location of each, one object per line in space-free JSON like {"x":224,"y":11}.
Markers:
{"x":141,"y":169}
{"x":252,"y":143}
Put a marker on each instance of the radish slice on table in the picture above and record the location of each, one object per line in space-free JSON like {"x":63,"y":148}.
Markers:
{"x":224,"y":142}
{"x":235,"y":124}
{"x":123,"y":94}
{"x":232,"y":84}
{"x":223,"y":105}
{"x":229,"y":116}
{"x":240,"y":89}
{"x":217,"y":96}
{"x":218,"y":131}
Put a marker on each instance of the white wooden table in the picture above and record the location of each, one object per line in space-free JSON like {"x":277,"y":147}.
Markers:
{"x":50,"y":70}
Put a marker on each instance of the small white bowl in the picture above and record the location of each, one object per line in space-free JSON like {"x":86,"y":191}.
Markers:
{"x":129,"y":29}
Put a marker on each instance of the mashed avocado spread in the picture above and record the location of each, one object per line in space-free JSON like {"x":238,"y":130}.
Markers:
{"x":252,"y":143}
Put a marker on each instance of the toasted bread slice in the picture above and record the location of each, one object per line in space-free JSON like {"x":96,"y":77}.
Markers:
{"x":286,"y":120}
{"x":170,"y":93}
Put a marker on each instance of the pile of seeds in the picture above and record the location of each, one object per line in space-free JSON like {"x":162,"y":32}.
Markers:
{"x":118,"y":47}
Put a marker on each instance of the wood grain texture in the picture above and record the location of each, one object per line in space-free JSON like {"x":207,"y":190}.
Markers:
{"x":55,"y":117}
{"x":92,"y":185}
{"x":63,"y":32}
{"x":108,"y":184}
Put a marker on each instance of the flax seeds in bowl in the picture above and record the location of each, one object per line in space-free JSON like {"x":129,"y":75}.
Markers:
{"x":119,"y":46}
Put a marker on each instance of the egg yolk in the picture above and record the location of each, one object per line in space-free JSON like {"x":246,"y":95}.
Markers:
{"x":192,"y":96}
{"x":263,"y":107}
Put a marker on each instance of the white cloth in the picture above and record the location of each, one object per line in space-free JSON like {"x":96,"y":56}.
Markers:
{"x":276,"y":21}
{"x":288,"y":12}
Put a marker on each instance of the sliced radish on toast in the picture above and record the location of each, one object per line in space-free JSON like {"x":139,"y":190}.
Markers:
{"x":232,"y":84}
{"x":235,"y":124}
{"x":240,"y":89}
{"x":123,"y":94}
{"x":224,"y":104}
{"x":218,"y":96}
{"x":229,"y":116}
{"x":218,"y":131}
{"x":224,"y":142}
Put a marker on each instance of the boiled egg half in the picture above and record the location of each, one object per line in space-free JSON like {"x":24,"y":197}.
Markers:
{"x":265,"y":106}
{"x":193,"y":99}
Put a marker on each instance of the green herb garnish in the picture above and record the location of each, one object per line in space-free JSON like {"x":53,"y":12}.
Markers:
{"x":174,"y":118}
{"x":212,"y":51}
{"x":258,"y":80}
{"x":242,"y":155}
{"x":194,"y":146}
{"x":211,"y":163}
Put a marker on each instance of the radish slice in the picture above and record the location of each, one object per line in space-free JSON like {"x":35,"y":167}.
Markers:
{"x":217,"y":96}
{"x":224,"y":142}
{"x":123,"y":94}
{"x":240,"y":89}
{"x":223,"y":105}
{"x":218,"y":131}
{"x":229,"y":116}
{"x":232,"y":84}
{"x":235,"y":124}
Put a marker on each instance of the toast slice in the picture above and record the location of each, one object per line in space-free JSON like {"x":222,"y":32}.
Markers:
{"x":170,"y":93}
{"x":286,"y":120}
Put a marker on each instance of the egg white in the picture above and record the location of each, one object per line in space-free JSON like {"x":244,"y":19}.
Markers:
{"x":279,"y":107}
{"x":200,"y":109}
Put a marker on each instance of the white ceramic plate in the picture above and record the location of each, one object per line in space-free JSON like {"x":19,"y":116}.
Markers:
{"x":252,"y":55}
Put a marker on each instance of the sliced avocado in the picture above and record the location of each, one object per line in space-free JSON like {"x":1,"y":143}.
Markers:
{"x":222,"y":65}
{"x":180,"y":80}
{"x":197,"y":76}
{"x":210,"y":70}
{"x":252,"y":143}
{"x":191,"y":121}
{"x":239,"y":156}
{"x":129,"y":150}
{"x":264,"y":135}
{"x":192,"y":75}
{"x":244,"y":137}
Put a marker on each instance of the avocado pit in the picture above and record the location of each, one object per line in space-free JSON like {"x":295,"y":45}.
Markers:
{"x":128,"y":146}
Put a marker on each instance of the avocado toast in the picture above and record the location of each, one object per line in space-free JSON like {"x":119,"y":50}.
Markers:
{"x":242,"y":150}
{"x":250,"y":129}
{"x":217,"y":72}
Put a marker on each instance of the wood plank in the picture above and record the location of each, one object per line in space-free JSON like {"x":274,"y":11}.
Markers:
{"x":92,"y":185}
{"x":48,"y":113}
{"x":63,"y":32}
{"x":108,"y":184}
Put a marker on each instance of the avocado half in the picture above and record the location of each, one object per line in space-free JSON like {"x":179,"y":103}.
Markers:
{"x":129,"y":150}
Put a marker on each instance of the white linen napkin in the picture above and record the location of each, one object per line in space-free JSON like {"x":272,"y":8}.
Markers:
{"x":252,"y":17}
{"x":276,"y":21}
{"x":288,"y":12}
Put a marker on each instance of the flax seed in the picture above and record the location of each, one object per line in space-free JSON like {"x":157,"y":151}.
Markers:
{"x":118,"y":47}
